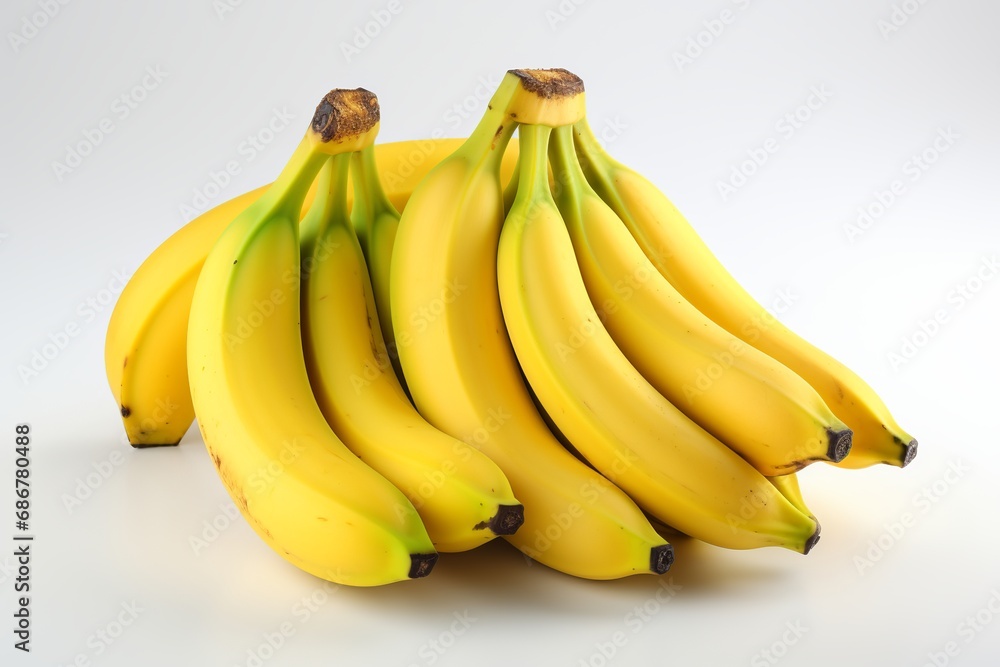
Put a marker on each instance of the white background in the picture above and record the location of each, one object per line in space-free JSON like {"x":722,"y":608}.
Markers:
{"x":870,"y":594}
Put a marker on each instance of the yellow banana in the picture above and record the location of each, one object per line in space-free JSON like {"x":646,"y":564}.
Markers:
{"x":669,"y":465}
{"x":681,"y":256}
{"x":145,"y":345}
{"x":788,"y":486}
{"x":461,"y":495}
{"x":755,"y":405}
{"x":307,"y":496}
{"x":785,"y":485}
{"x":144,"y":351}
{"x":461,"y":370}
{"x":378,"y":218}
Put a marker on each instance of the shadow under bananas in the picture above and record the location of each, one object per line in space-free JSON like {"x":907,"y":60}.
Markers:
{"x":497,"y":572}
{"x":493,"y":578}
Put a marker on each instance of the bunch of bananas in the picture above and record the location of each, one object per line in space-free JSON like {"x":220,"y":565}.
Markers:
{"x":538,"y":346}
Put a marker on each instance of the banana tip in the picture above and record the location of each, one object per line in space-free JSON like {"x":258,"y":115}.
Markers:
{"x":507,"y":519}
{"x":345,"y":113}
{"x":549,"y":83}
{"x":661,"y":557}
{"x":839,"y":444}
{"x":422,"y":564}
{"x":909,"y":452}
{"x":811,"y":542}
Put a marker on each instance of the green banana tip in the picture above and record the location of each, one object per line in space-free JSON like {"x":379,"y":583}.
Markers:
{"x":344,"y":113}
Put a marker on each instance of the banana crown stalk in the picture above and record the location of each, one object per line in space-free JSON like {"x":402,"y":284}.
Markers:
{"x":304,"y":492}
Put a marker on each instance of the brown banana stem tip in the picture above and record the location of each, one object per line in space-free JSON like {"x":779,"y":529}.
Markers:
{"x":421,"y":564}
{"x":839,"y":444}
{"x":909,"y":452}
{"x":661,"y":558}
{"x":813,"y":539}
{"x":507,"y":519}
{"x":549,"y":83}
{"x":344,"y":113}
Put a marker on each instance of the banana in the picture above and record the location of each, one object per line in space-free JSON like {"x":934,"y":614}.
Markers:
{"x":459,"y":365}
{"x":461,"y":495}
{"x":788,"y":486}
{"x":378,"y":218}
{"x":680,"y":255}
{"x":510,"y":190}
{"x":301,"y":489}
{"x":761,"y":409}
{"x":669,"y":465}
{"x":784,"y":485}
{"x":145,"y":346}
{"x":144,"y":350}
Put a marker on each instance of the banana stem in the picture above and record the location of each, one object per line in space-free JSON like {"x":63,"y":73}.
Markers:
{"x":510,"y":191}
{"x":533,"y":181}
{"x":345,"y":121}
{"x":596,"y":164}
{"x":329,"y":206}
{"x":587,"y":145}
{"x":335,"y":210}
{"x":310,"y":223}
{"x":493,"y":132}
{"x":370,"y":199}
{"x":287,"y":192}
{"x":570,"y":181}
